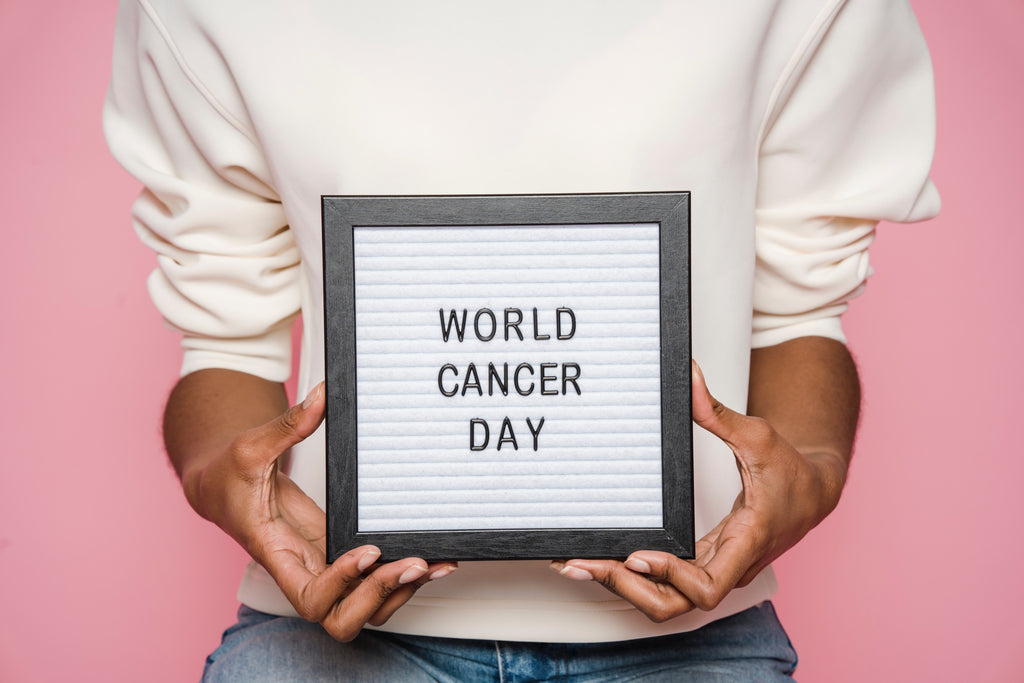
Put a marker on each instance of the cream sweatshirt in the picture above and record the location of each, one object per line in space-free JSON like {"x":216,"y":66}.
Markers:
{"x":795,"y":124}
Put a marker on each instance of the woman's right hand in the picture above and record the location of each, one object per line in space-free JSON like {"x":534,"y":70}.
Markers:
{"x":243,"y":491}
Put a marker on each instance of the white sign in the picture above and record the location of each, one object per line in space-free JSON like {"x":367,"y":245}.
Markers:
{"x":508,"y":377}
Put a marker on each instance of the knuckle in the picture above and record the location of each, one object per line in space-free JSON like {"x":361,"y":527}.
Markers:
{"x":288,"y":423}
{"x":609,"y":580}
{"x":761,"y":432}
{"x":344,"y":632}
{"x":708,"y":598}
{"x":378,"y":619}
{"x":308,"y":611}
{"x":245,"y":448}
{"x":383,"y":591}
{"x":248,"y":458}
{"x":660,"y":613}
{"x":717,"y":407}
{"x":379,"y":589}
{"x":308,"y":615}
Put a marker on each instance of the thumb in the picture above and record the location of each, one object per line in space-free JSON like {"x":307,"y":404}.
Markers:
{"x":269,"y":441}
{"x":713,"y":415}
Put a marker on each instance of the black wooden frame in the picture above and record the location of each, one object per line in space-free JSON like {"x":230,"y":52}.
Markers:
{"x":671,"y":210}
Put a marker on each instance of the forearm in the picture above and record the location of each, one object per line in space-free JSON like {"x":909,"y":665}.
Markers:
{"x":207,"y":410}
{"x":809,"y":391}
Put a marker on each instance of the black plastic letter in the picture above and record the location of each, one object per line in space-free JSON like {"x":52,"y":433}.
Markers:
{"x":506,"y":428}
{"x":460,"y":331}
{"x":472,"y":434}
{"x":440,"y":374}
{"x":558,"y":323}
{"x":571,"y":378}
{"x":476,"y":324}
{"x":536,"y":329}
{"x":513,"y":323}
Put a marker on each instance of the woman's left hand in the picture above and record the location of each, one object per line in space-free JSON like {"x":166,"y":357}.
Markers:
{"x":785,"y":494}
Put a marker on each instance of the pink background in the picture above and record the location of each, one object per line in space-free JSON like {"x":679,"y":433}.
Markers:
{"x":105,"y":574}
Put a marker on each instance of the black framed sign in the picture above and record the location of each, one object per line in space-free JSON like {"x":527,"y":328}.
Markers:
{"x":508,"y":376}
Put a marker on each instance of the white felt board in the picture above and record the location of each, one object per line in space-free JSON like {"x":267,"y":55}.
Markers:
{"x":597,"y":462}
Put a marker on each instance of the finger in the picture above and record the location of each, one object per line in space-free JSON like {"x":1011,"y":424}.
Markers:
{"x":658,"y":601}
{"x":347,"y":617}
{"x":658,"y":566}
{"x":399,"y":597}
{"x":706,"y":586}
{"x":312,"y":587}
{"x":709,"y":412}
{"x":266,"y":443}
{"x":666,"y":568}
{"x":747,"y":437}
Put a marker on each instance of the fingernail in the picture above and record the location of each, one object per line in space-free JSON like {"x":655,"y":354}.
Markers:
{"x":576,"y":574}
{"x":639,"y":566}
{"x":412,"y":573}
{"x":557,"y":566}
{"x":312,"y":396}
{"x":368,"y":558}
{"x":442,"y":572}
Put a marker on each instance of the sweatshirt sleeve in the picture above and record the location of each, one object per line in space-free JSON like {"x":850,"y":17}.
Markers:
{"x":226,"y":275}
{"x":848,"y":142}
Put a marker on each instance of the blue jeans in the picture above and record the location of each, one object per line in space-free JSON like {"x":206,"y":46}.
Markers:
{"x":749,"y":646}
